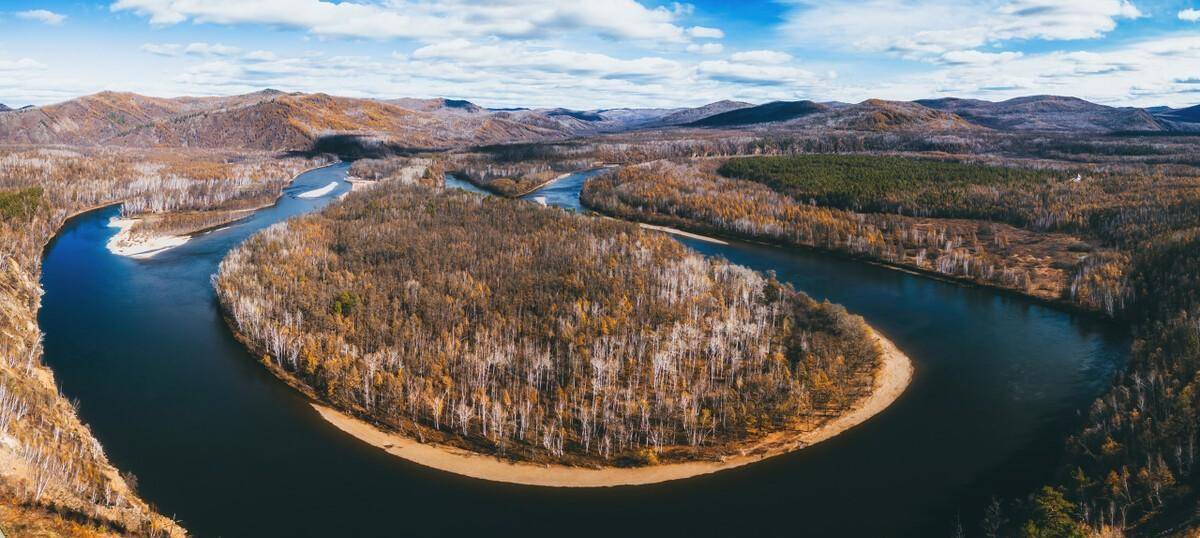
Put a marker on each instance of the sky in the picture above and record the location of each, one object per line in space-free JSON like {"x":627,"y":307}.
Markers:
{"x":589,"y":54}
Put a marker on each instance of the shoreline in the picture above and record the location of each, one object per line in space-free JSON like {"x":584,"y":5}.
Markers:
{"x":893,"y":377}
{"x":718,"y":236}
{"x":681,"y":233}
{"x":124,"y":244}
{"x":533,"y":189}
{"x":318,"y":192}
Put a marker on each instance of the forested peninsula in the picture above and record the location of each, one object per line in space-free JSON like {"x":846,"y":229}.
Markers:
{"x":1121,"y":242}
{"x":503,"y":328}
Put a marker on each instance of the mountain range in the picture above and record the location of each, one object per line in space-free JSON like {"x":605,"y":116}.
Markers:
{"x":274,"y":120}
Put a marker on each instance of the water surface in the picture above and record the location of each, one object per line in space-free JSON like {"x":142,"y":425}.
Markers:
{"x":230,"y":451}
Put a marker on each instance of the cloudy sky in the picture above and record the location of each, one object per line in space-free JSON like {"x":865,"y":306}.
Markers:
{"x":606,"y":53}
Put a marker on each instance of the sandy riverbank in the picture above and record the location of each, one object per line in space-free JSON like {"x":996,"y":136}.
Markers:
{"x":893,"y":377}
{"x":681,"y":233}
{"x":318,"y":192}
{"x":125,"y":243}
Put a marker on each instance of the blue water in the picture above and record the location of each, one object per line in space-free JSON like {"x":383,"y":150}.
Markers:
{"x":230,"y":451}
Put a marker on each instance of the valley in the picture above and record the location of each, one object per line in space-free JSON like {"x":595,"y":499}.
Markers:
{"x":1073,"y":228}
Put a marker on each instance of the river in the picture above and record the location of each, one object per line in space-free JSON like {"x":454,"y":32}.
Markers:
{"x":217,"y":442}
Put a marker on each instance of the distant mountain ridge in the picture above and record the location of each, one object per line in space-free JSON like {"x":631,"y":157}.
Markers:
{"x":869,"y":115}
{"x":274,"y":120}
{"x":4,"y":108}
{"x":1047,"y":113}
{"x":1182,"y":115}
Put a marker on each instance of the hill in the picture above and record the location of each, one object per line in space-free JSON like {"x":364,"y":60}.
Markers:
{"x":769,"y":113}
{"x":880,"y":115}
{"x":689,"y":115}
{"x":436,"y":105}
{"x":615,"y":120}
{"x":267,"y":120}
{"x":274,"y":120}
{"x":1181,"y":115}
{"x":1046,"y":113}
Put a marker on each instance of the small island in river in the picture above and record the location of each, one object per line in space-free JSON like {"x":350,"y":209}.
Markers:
{"x":508,"y":341}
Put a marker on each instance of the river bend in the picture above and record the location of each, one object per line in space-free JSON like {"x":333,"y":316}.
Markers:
{"x":223,"y":446}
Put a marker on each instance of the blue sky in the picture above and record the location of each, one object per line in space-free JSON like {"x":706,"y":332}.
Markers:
{"x":606,"y":53}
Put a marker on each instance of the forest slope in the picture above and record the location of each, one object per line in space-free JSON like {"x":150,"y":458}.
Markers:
{"x":1052,"y":267}
{"x":267,"y":120}
{"x":1047,"y":113}
{"x":534,"y":334}
{"x":1132,"y":465}
{"x":55,"y":479}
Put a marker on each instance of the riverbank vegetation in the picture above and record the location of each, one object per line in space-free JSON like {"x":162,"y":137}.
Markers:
{"x":224,"y":192}
{"x":1121,"y":209}
{"x":1053,"y":267}
{"x":427,"y":170}
{"x":1133,"y":464}
{"x":1133,"y":253}
{"x":54,"y":477}
{"x":538,"y":335}
{"x":519,"y":169}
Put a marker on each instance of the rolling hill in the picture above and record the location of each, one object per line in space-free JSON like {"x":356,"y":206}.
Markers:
{"x":273,"y":120}
{"x":768,"y":113}
{"x":262,"y":120}
{"x":870,"y":115}
{"x":1047,"y":113}
{"x":689,"y":115}
{"x":1190,"y":115}
{"x":880,"y":115}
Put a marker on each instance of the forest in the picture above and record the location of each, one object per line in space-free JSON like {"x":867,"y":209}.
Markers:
{"x":405,"y":169}
{"x":886,"y":184}
{"x":536,"y":334}
{"x":1136,"y":246}
{"x":507,"y":173}
{"x":57,"y":478}
{"x":1053,"y":267}
{"x":1119,"y":208}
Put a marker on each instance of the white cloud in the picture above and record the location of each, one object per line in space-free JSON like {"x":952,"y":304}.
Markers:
{"x":703,"y":32}
{"x":928,"y":29}
{"x":761,"y":57}
{"x":191,"y":49}
{"x":538,"y":53}
{"x":25,"y":80}
{"x":42,"y":15}
{"x":522,"y":58}
{"x":768,"y":75}
{"x":1148,"y":72}
{"x":497,"y":73}
{"x":415,"y":19}
{"x":20,"y":64}
{"x":974,"y":57}
{"x":260,"y":56}
{"x":210,"y":49}
{"x":163,"y":49}
{"x":706,"y":48}
{"x":1190,"y":15}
